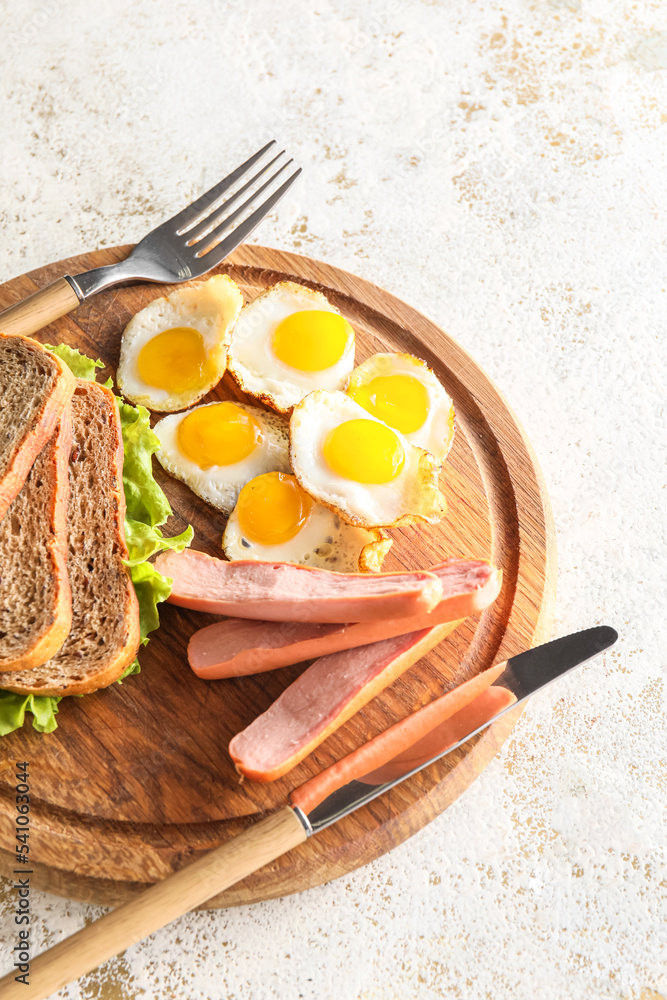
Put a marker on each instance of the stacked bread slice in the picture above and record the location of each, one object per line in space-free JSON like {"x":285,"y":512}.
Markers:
{"x":69,"y":617}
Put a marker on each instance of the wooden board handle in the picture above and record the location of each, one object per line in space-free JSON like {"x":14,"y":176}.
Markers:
{"x":39,"y":309}
{"x":157,"y":906}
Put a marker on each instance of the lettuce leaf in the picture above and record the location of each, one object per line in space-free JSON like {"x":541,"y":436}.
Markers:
{"x":80,"y":364}
{"x":144,"y":541}
{"x":14,"y":706}
{"x":151,"y":587}
{"x":147,"y":507}
{"x":145,"y":500}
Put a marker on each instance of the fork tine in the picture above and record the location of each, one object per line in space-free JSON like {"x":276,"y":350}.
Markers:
{"x":218,"y":253}
{"x":216,"y":233}
{"x":191,"y":212}
{"x":199,"y":230}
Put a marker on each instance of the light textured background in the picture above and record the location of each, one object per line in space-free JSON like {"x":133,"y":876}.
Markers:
{"x":502,"y":165}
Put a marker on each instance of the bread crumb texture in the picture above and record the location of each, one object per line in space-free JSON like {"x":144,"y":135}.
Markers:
{"x":104,"y":612}
{"x":27,"y":582}
{"x":35,"y":372}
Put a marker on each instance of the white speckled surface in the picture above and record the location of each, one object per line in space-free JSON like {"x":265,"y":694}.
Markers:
{"x":501,"y":165}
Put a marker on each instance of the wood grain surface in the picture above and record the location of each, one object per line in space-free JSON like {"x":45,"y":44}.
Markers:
{"x":136,"y":781}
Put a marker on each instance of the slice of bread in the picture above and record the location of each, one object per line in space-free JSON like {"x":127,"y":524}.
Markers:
{"x":35,"y":388}
{"x":104,"y":637}
{"x":35,"y":601}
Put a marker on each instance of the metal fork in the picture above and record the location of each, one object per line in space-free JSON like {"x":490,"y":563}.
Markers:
{"x":184,"y":247}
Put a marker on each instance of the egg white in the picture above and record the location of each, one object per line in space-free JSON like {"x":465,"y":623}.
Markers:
{"x":437,"y":432}
{"x":412,"y":496}
{"x":325,"y":541}
{"x":220,"y":485}
{"x":211,"y":307}
{"x":253,"y":362}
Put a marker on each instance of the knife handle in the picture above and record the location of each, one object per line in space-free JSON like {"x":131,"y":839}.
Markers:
{"x":39,"y":309}
{"x":157,"y":906}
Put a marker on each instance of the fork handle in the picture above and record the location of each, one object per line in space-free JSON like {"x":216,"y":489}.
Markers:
{"x":39,"y":309}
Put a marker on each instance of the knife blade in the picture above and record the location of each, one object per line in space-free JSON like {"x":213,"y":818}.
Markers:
{"x":520,"y":676}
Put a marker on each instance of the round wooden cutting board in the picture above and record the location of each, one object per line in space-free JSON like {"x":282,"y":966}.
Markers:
{"x":136,"y":780}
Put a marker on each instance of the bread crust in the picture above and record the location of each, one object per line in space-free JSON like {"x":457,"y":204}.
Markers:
{"x":52,"y":464}
{"x":68,"y":672}
{"x":52,"y":406}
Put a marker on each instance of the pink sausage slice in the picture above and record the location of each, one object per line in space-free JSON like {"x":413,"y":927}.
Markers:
{"x":412,"y":741}
{"x":330,"y":691}
{"x":285,"y":592}
{"x":237,"y":646}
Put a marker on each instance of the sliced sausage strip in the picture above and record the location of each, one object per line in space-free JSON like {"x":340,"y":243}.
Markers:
{"x":444,"y":735}
{"x":237,"y":646}
{"x":325,"y":696}
{"x":412,"y":741}
{"x":286,"y":592}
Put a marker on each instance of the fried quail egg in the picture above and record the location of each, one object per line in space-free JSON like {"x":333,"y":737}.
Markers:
{"x":217,"y":448}
{"x":404,"y":393}
{"x":366,"y":471}
{"x":274,"y":519}
{"x":175,"y":350}
{"x":289,"y":341}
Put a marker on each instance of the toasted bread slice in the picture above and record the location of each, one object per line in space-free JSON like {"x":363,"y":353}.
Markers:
{"x":104,"y":637}
{"x":35,"y":600}
{"x":35,"y":388}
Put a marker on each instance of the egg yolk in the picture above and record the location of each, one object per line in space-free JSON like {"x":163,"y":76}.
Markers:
{"x":272,"y":508}
{"x":311,"y":340}
{"x":364,"y":451}
{"x":399,"y":400}
{"x":220,"y":434}
{"x":176,"y":361}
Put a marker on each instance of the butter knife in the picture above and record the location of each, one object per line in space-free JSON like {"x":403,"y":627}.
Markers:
{"x":355,"y":781}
